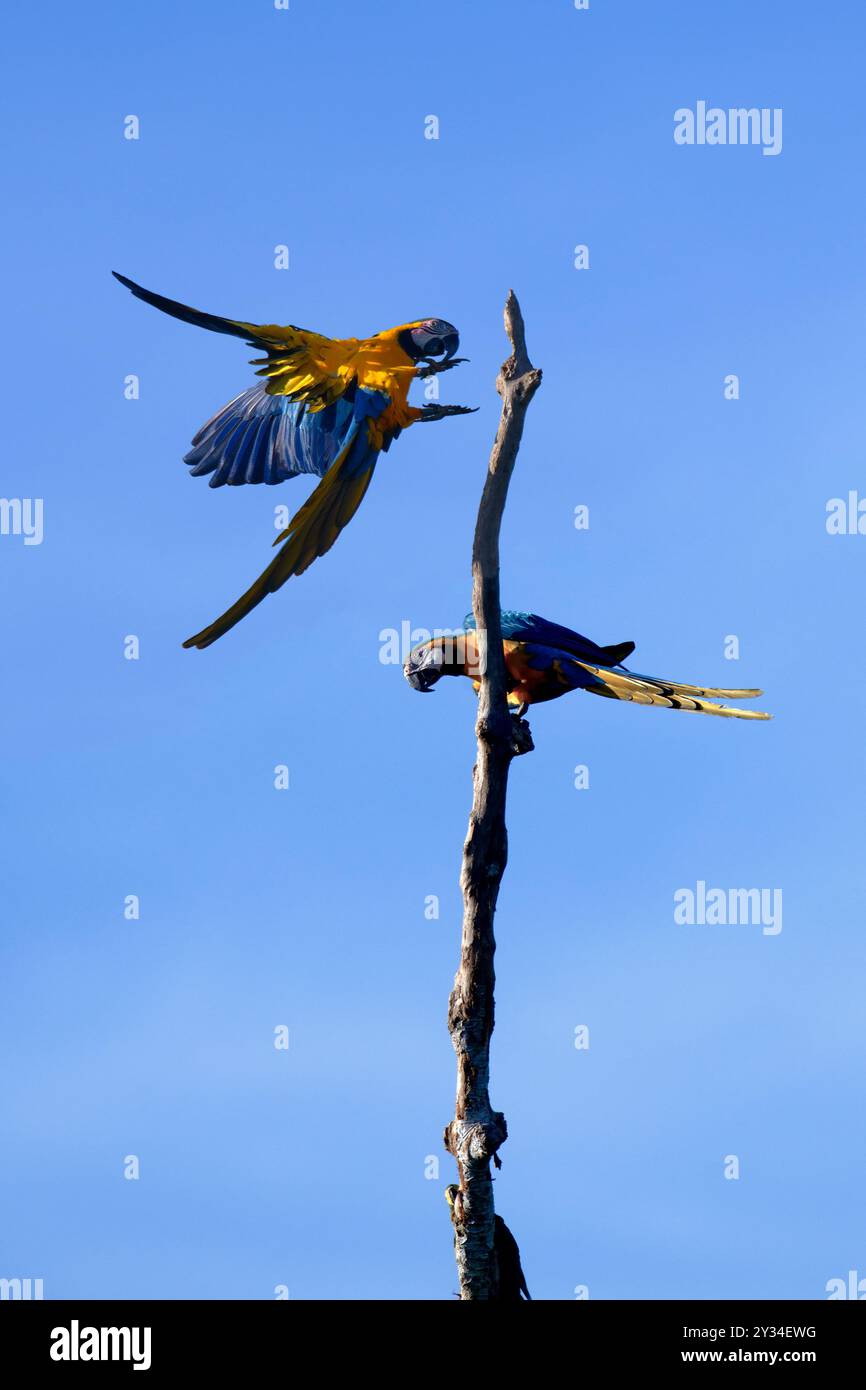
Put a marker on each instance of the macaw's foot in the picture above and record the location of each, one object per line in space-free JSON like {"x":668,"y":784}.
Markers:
{"x":432,"y":368}
{"x":439,"y":412}
{"x":521,"y":736}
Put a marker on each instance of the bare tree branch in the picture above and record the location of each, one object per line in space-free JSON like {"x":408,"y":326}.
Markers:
{"x":477,"y":1131}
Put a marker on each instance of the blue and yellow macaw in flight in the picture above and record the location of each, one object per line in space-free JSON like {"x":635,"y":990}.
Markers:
{"x":329,"y":407}
{"x":544,"y":661}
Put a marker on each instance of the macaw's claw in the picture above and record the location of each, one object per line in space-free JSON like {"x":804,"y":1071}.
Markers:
{"x":433,"y":368}
{"x":439,"y":412}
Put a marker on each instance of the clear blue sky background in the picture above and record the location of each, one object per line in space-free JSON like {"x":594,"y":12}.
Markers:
{"x":306,"y":907}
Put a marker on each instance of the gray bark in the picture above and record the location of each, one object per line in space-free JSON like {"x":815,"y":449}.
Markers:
{"x":477,"y":1131}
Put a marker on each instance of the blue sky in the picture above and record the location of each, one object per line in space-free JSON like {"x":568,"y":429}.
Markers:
{"x":305,"y":907}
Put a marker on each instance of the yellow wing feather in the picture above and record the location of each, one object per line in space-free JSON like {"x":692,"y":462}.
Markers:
{"x":307,"y":367}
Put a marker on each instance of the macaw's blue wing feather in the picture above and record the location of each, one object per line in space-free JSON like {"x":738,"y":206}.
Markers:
{"x":529,"y":627}
{"x":258,"y":438}
{"x":313,"y":530}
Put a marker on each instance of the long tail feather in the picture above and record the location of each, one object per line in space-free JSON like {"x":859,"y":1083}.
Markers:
{"x":310,"y":533}
{"x":647,"y":690}
{"x":679,"y":688}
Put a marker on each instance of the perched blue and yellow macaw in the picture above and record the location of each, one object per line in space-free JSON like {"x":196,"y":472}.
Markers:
{"x":544,"y":661}
{"x":329,"y":407}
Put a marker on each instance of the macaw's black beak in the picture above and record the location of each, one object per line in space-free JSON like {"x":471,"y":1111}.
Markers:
{"x":450,"y":344}
{"x":418,"y":681}
{"x":422,"y":681}
{"x":423,"y":672}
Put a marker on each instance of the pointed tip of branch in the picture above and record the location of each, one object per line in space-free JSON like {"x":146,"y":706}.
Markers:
{"x":518,"y":364}
{"x":514,"y":323}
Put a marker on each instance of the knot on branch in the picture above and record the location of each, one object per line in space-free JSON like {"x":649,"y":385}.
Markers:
{"x":494,"y":728}
{"x":521,"y":737}
{"x":474,"y":1142}
{"x":521,"y":385}
{"x":508,"y":734}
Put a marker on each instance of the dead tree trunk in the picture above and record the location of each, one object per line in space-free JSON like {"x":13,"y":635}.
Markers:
{"x":477,"y":1131}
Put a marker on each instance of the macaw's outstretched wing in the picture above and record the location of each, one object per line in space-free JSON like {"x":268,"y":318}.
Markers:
{"x":528,"y":627}
{"x":651,"y":690}
{"x":313,"y":530}
{"x":258,"y":438}
{"x":302,"y":365}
